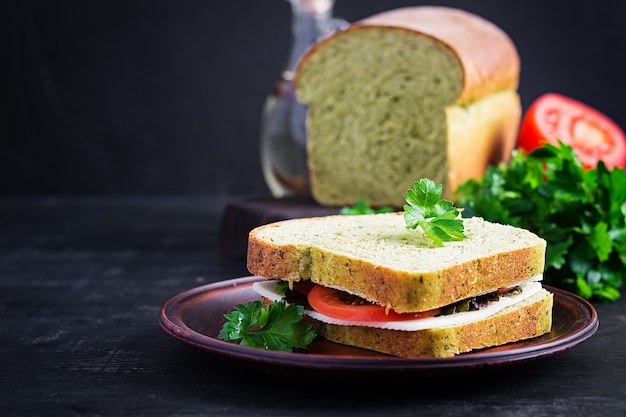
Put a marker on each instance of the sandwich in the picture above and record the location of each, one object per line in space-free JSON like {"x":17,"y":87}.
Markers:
{"x":372,"y":282}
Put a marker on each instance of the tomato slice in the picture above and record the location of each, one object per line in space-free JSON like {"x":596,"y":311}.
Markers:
{"x":591,"y":134}
{"x":341,"y":305}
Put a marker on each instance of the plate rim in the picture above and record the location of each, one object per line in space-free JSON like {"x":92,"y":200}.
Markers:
{"x":171,"y":322}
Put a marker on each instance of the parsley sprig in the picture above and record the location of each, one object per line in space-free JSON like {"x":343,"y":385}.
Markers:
{"x":436,"y":216}
{"x":580,"y":212}
{"x":362,"y":207}
{"x":275,"y":327}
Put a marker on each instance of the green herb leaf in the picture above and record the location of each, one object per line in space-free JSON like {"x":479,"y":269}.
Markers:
{"x":436,"y":216}
{"x":275,"y":327}
{"x":361,"y":207}
{"x":581,"y":213}
{"x":281,"y":287}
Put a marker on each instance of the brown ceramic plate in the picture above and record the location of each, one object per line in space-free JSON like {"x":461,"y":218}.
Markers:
{"x":195,"y":317}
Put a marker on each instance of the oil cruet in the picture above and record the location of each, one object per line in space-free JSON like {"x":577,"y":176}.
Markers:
{"x":283,"y":131}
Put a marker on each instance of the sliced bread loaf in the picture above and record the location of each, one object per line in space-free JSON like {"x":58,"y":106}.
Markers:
{"x":381,"y":260}
{"x":409,"y":93}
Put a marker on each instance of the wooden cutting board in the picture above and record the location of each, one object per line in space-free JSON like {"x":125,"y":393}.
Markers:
{"x":242,"y":216}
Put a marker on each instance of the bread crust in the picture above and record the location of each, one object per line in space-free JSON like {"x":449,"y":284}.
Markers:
{"x":403,"y":290}
{"x":481,"y":135}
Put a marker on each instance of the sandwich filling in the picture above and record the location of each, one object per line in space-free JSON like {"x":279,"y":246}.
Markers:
{"x":464,"y":312}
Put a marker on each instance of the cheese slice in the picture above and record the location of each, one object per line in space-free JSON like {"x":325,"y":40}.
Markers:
{"x":528,"y":288}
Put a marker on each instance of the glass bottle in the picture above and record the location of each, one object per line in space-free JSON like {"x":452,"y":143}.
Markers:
{"x":283,"y":131}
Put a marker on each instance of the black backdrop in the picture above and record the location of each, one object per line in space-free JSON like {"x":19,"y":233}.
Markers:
{"x":164,"y":96}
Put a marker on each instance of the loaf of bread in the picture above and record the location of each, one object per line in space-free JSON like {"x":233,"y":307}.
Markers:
{"x":378,"y":258}
{"x":409,"y":93}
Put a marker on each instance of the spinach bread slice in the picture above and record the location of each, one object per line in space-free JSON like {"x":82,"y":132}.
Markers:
{"x":379,"y":259}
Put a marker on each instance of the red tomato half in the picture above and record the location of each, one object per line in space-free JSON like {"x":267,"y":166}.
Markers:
{"x":344,"y":306}
{"x":591,"y":134}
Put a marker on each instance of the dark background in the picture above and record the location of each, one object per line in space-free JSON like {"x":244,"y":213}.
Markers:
{"x":164,"y":96}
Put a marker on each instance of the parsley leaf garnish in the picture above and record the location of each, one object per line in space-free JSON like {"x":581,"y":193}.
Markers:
{"x":361,"y":207}
{"x":275,"y":327}
{"x":580,"y":212}
{"x":436,"y":216}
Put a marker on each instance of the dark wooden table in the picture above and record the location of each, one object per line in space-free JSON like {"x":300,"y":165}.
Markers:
{"x":82,"y":282}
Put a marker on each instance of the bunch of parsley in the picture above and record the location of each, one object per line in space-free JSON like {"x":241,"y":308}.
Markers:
{"x":580,"y":212}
